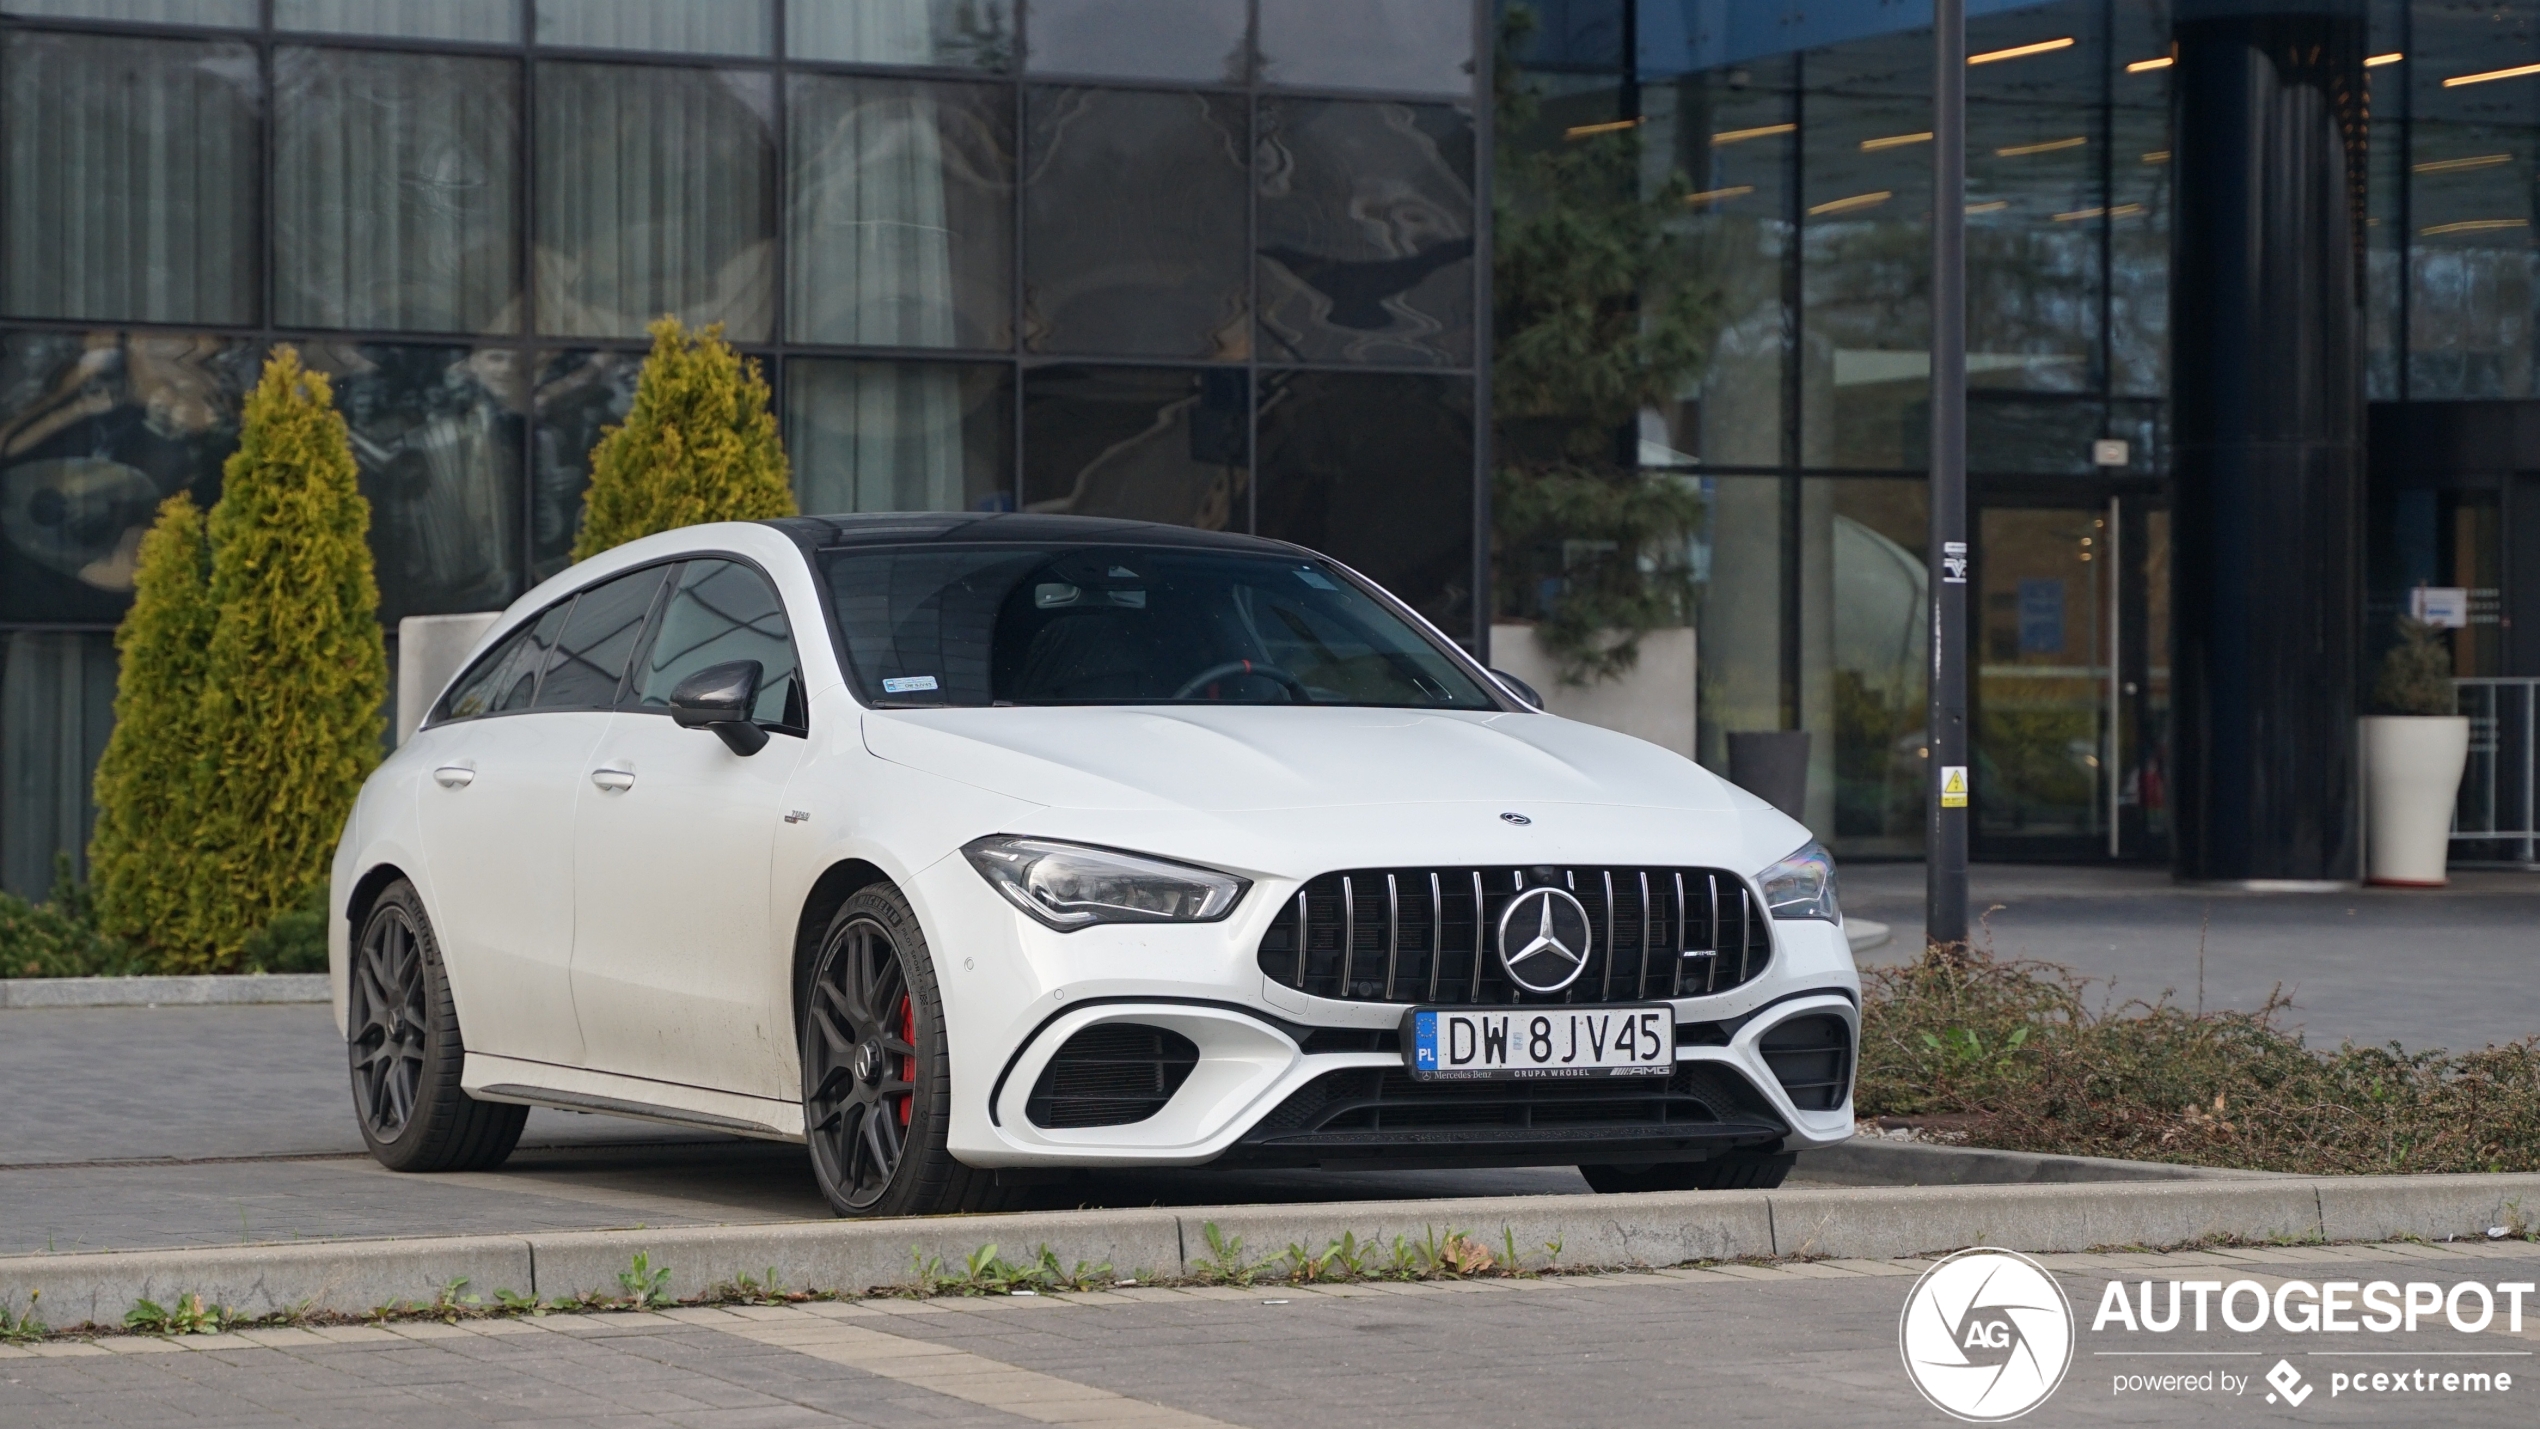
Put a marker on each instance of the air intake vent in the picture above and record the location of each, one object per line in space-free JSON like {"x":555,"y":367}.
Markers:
{"x":1812,"y":1058}
{"x":1411,"y":935}
{"x":1111,"y":1075}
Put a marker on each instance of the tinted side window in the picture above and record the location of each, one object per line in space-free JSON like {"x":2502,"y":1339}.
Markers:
{"x":505,"y":677}
{"x":721,"y":611}
{"x":590,"y":658}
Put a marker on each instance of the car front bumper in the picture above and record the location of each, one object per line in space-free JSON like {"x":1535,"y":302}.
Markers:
{"x":1285,"y":1078}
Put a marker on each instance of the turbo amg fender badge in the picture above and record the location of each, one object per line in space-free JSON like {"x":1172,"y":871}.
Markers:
{"x":1544,"y":939}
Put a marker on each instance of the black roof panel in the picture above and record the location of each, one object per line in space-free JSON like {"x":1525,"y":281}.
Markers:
{"x":1024,"y":528}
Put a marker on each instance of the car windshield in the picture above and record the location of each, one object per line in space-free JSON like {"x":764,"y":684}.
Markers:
{"x":1122,"y":625}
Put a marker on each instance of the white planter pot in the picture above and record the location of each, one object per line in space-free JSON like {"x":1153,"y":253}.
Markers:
{"x":2412,"y":769}
{"x":1654,"y":702}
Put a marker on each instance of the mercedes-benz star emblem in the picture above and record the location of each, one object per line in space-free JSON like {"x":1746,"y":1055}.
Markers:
{"x":1544,"y":939}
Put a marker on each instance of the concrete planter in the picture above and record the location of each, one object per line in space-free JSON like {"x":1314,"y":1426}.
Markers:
{"x":2412,"y":772}
{"x":1654,"y":702}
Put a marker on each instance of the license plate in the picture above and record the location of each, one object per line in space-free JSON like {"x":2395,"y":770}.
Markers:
{"x":1473,"y":1044}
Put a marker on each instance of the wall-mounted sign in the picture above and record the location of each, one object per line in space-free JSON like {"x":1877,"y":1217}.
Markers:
{"x":2444,"y":605}
{"x":2110,"y":451}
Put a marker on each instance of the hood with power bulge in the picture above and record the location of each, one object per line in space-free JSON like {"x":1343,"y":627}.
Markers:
{"x":1238,"y":757}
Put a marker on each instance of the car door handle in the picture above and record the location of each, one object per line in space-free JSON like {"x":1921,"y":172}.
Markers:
{"x":616,"y":781}
{"x":454,"y":776}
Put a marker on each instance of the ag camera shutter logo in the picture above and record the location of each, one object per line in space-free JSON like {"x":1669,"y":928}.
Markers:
{"x":1987,"y":1335}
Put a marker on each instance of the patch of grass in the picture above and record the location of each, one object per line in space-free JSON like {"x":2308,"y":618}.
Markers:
{"x":2015,"y":1055}
{"x":188,"y":1316}
{"x":647,"y":1285}
{"x":22,"y":1327}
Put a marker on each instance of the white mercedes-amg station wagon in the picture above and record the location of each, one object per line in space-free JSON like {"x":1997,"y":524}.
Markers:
{"x":967,"y":849}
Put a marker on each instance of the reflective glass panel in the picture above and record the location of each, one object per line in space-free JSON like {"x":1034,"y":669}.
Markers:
{"x":239,"y":14}
{"x":57,"y":706}
{"x":395,"y":199}
{"x":1738,"y":593}
{"x":436,"y":431}
{"x":1417,"y":46}
{"x":1376,"y":470}
{"x":96,"y":429}
{"x":577,"y":396}
{"x":899,"y":436}
{"x":656,"y":194}
{"x":901,"y":209}
{"x":688,"y":27}
{"x":1197,"y":40}
{"x":490,"y":21}
{"x":720,"y":611}
{"x":1366,"y":225}
{"x":961,"y":34}
{"x":505,"y":677}
{"x":1149,"y":444}
{"x":1862,"y":689}
{"x":2473,"y":153}
{"x":1134,"y":220}
{"x":130,"y":191}
{"x":599,"y":638}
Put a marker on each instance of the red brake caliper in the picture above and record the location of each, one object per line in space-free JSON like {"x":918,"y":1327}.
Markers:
{"x":908,"y":1065}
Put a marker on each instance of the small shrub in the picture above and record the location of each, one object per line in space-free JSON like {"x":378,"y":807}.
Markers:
{"x":2416,"y":673}
{"x":699,"y":445}
{"x":2013,"y":1055}
{"x":647,"y":1285}
{"x":294,"y":942}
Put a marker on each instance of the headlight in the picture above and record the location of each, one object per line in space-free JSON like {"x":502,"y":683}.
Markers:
{"x":1072,"y":886}
{"x":1802,"y":885}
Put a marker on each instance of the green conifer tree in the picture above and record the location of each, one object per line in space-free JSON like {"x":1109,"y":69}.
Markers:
{"x":295,"y":672}
{"x":700,"y":445}
{"x":142,"y":867}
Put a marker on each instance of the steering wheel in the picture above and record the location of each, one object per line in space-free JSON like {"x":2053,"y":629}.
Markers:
{"x":1200,"y":681}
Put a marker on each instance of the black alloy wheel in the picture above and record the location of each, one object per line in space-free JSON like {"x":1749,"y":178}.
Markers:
{"x":876,"y":1077}
{"x":402,"y":1041}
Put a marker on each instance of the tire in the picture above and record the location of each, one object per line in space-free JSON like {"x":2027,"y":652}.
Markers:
{"x":877,"y":1076}
{"x":1732,"y":1171}
{"x":406,"y":1052}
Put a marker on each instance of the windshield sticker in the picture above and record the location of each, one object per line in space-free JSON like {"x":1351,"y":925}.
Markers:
{"x":1317,"y":579}
{"x":908,"y":684}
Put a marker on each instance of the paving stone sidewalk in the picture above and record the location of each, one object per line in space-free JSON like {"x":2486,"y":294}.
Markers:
{"x":1788,"y":1345}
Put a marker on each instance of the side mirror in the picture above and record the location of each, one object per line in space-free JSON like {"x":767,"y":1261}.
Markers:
{"x":1519,"y":688}
{"x":718,"y":698}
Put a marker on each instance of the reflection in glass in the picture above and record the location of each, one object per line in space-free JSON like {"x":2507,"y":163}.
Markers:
{"x":688,"y":27}
{"x":95,"y":430}
{"x":599,"y":637}
{"x":57,"y":705}
{"x":436,"y":431}
{"x":578,"y":395}
{"x":720,"y":611}
{"x":1145,"y":443}
{"x":1414,"y":46}
{"x":1198,"y":40}
{"x":2040,"y":684}
{"x":959,"y":34}
{"x":394,"y":199}
{"x":130,"y":191}
{"x":239,"y":14}
{"x":1730,"y":136}
{"x":1134,"y":223}
{"x":1366,"y":224}
{"x":900,"y":205}
{"x":656,"y":194}
{"x":899,"y":436}
{"x":1376,"y":470}
{"x":1868,"y":687}
{"x":1738,"y":587}
{"x":490,"y":21}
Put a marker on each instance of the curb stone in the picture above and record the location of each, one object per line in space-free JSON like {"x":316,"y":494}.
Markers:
{"x":209,"y":991}
{"x":1661,"y":1228}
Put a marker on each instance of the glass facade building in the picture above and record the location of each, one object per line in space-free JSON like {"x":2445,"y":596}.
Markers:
{"x":1204,"y":261}
{"x":1804,"y":135}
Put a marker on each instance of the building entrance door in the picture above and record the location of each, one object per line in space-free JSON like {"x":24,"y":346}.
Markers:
{"x":2068,"y":679}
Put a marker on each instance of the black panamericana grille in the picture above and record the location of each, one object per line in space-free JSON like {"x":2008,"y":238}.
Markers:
{"x":1812,"y":1058}
{"x":1410,"y":934}
{"x":1378,"y":1107}
{"x":1111,"y":1075}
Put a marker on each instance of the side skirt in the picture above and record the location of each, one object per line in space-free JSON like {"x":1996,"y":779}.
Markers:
{"x":511,"y":1079}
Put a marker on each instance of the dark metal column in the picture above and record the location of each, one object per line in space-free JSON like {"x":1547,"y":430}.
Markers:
{"x":2267,"y":461}
{"x":1945,"y":780}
